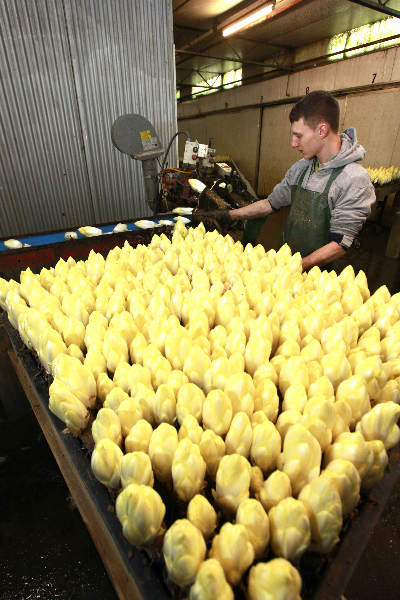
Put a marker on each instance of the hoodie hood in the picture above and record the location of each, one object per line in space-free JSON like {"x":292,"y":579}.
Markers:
{"x":350,"y":151}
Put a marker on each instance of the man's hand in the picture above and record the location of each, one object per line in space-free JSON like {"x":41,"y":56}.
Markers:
{"x":222,"y":216}
{"x":260,"y":208}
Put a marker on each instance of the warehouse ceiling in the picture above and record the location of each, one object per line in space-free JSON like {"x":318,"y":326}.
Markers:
{"x":202,"y":52}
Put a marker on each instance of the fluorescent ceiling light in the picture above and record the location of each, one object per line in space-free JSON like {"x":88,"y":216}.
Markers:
{"x":249,"y":21}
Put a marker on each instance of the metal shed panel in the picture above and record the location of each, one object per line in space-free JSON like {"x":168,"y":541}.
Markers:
{"x":122,"y":56}
{"x":43,"y":182}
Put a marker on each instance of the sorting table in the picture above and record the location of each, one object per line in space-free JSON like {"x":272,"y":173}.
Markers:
{"x":136,"y":574}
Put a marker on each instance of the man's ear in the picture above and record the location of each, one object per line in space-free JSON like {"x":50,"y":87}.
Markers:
{"x":323,"y":129}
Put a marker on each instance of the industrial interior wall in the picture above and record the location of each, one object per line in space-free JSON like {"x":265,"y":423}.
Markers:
{"x":369,"y":87}
{"x":69,"y":69}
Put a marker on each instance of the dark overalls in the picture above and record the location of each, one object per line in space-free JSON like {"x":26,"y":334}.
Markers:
{"x":308,"y":222}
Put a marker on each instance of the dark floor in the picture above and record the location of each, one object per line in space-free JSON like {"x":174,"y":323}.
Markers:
{"x":45,"y":550}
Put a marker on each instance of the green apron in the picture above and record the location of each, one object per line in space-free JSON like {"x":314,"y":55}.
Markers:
{"x":251,"y":230}
{"x":308,"y":222}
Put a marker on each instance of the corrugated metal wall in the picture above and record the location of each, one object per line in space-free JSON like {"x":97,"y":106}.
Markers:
{"x":122,"y":58}
{"x":43,"y":179}
{"x":70,"y":68}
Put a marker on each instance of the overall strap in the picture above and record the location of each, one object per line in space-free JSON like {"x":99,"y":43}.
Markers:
{"x":333,"y":175}
{"x":300,"y":182}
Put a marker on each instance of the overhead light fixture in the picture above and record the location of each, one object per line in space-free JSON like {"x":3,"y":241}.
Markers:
{"x":253,"y":19}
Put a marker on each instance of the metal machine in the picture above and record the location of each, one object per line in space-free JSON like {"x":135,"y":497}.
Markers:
{"x":168,"y":187}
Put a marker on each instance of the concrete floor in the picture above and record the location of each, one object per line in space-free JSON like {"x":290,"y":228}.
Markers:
{"x":45,"y":550}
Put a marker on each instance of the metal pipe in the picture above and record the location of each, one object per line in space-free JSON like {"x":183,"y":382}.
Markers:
{"x":149,"y":167}
{"x":230,"y":59}
{"x":382,"y":8}
{"x":206,"y":87}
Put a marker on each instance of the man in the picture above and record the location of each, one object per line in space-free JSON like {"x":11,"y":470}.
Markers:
{"x":330,"y":194}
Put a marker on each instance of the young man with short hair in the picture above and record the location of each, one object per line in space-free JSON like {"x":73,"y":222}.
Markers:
{"x":329,"y":192}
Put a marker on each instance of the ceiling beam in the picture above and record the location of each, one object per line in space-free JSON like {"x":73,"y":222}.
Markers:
{"x":192,"y":70}
{"x":206,"y":87}
{"x":379,"y":6}
{"x":189,"y":28}
{"x":181,"y":5}
{"x":237,"y":37}
{"x":179,"y":61}
{"x":231,"y":59}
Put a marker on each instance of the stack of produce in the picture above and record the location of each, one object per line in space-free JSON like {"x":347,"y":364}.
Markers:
{"x":384,"y":175}
{"x":264,"y":398}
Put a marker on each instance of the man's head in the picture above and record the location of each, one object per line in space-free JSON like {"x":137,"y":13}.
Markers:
{"x":315,"y":120}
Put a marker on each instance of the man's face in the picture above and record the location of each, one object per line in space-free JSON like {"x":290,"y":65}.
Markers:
{"x":306,"y":140}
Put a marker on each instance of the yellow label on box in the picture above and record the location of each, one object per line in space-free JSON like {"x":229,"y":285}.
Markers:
{"x":145,"y":135}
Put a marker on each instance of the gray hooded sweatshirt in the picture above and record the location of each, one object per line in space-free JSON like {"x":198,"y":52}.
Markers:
{"x":350,"y":196}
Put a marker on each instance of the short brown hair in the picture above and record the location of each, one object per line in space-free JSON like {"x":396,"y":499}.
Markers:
{"x":316,"y":107}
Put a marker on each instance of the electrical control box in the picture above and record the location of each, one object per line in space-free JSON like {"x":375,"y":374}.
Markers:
{"x":198,"y":154}
{"x":191,"y":152}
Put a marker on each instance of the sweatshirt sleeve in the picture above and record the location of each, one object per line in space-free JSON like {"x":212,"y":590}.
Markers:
{"x":281,"y":194}
{"x":352,"y":206}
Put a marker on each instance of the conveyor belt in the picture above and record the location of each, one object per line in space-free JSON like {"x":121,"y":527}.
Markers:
{"x":46,"y":249}
{"x":59,"y":236}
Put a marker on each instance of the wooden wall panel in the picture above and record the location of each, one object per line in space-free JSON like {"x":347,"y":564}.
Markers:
{"x":276,"y":153}
{"x":396,"y":66}
{"x":375,"y":115}
{"x":313,"y":79}
{"x":359,"y":71}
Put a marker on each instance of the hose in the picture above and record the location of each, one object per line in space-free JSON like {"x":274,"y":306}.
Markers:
{"x":170,"y":144}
